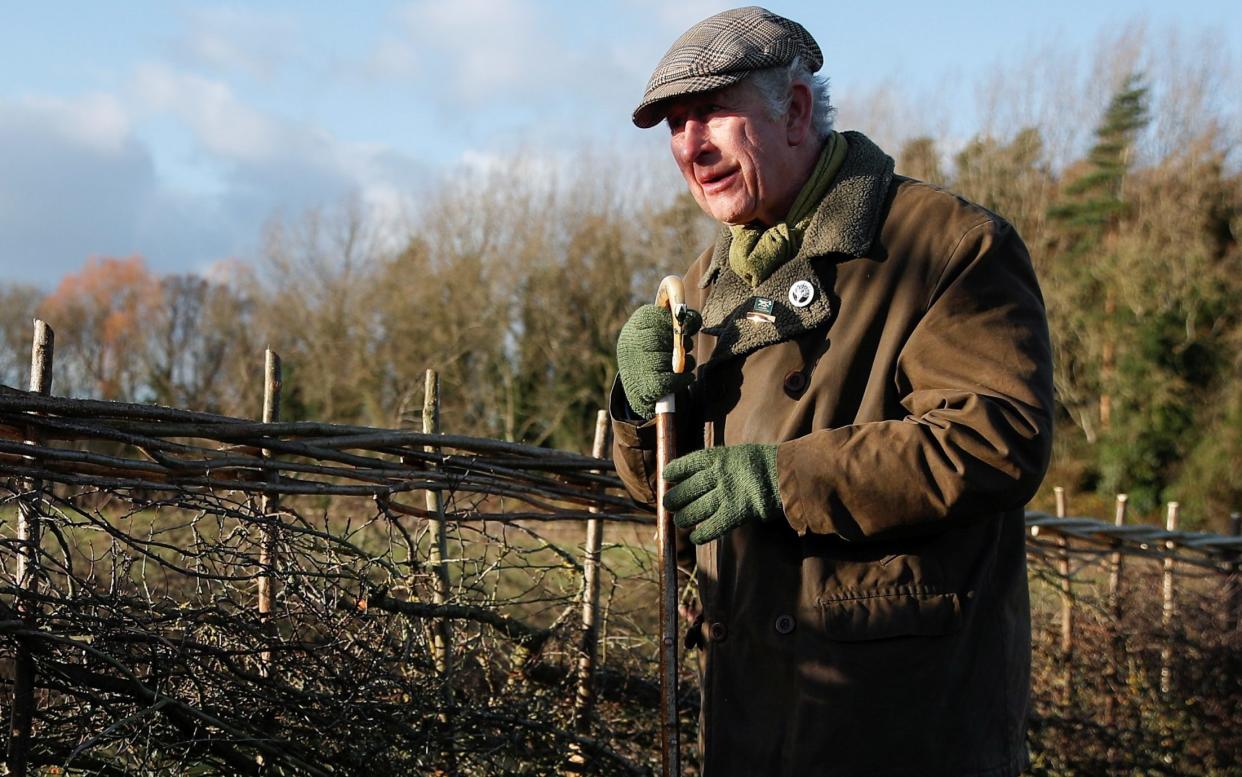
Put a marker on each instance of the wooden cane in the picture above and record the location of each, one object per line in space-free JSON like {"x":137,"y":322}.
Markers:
{"x":671,"y":294}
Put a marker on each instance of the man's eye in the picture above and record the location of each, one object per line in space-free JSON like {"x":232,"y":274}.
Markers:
{"x":675,"y":125}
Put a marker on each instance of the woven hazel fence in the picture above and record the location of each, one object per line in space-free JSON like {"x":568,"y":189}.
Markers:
{"x":188,"y":593}
{"x":1137,"y":650}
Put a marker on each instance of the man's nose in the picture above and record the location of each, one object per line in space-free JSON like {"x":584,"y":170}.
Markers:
{"x":694,"y":140}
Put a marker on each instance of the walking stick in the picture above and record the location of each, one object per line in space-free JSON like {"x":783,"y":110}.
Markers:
{"x":672,"y":294}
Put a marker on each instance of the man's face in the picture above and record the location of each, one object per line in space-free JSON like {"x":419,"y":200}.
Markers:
{"x":735,"y":158}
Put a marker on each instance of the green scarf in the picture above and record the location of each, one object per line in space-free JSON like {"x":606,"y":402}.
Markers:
{"x":756,"y":250}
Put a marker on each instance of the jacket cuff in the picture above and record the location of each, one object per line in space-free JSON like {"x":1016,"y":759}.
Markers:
{"x":630,"y":429}
{"x":633,"y":448}
{"x":807,"y":503}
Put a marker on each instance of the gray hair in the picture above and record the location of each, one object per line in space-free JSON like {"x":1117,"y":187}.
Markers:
{"x":775,"y":86}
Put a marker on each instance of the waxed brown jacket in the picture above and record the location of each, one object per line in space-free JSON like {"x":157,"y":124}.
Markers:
{"x":880,"y":627}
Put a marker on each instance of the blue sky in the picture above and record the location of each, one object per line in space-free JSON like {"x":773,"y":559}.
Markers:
{"x":175,"y":130}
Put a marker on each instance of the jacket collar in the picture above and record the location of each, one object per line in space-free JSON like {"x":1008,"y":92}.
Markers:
{"x":844,"y":224}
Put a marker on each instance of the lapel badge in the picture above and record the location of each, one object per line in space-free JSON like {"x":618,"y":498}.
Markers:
{"x":761,"y":311}
{"x":801,"y":294}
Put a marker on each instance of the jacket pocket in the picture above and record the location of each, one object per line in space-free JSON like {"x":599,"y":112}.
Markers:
{"x":901,"y":611}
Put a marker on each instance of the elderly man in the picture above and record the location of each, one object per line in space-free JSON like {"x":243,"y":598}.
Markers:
{"x":870,"y":412}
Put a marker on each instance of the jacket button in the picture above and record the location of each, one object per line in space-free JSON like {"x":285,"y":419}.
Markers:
{"x":784,"y":624}
{"x":795,"y":382}
{"x":718,"y":632}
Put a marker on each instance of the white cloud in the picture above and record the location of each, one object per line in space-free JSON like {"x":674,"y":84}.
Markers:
{"x":394,"y":59}
{"x":235,"y":39}
{"x":224,"y":124}
{"x":497,"y":72}
{"x":95,"y":121}
{"x":477,"y":46}
{"x":482,"y":162}
{"x":258,"y":148}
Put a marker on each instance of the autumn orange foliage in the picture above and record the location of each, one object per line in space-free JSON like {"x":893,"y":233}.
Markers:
{"x":101,"y":310}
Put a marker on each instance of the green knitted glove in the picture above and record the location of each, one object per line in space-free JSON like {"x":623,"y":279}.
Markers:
{"x":718,"y":489}
{"x":645,"y":357}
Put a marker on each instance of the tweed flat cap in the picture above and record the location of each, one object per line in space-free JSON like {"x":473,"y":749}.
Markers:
{"x":722,"y":50}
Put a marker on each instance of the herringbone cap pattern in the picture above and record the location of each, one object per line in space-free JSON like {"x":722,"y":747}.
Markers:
{"x":720,"y":51}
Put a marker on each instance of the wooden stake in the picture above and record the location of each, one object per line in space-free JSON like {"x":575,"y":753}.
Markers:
{"x":1167,"y":610}
{"x":28,"y":564}
{"x":438,"y":550}
{"x":1117,"y":643}
{"x":1233,"y":595}
{"x":1067,"y":601}
{"x":1114,"y":574}
{"x":589,"y":647}
{"x":269,"y":505}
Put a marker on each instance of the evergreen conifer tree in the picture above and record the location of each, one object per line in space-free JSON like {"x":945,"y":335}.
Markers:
{"x":1094,"y":204}
{"x":1087,"y":219}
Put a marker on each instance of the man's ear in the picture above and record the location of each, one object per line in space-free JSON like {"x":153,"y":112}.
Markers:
{"x":798,"y":117}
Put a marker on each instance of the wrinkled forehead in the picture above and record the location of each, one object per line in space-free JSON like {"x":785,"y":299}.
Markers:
{"x":740,"y":96}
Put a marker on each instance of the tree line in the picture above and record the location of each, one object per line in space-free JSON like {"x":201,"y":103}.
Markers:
{"x":513,"y":283}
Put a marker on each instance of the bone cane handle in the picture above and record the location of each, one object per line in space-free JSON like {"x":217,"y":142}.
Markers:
{"x":672,"y":294}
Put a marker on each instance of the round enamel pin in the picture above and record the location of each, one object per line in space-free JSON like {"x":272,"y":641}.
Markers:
{"x":801,"y":294}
